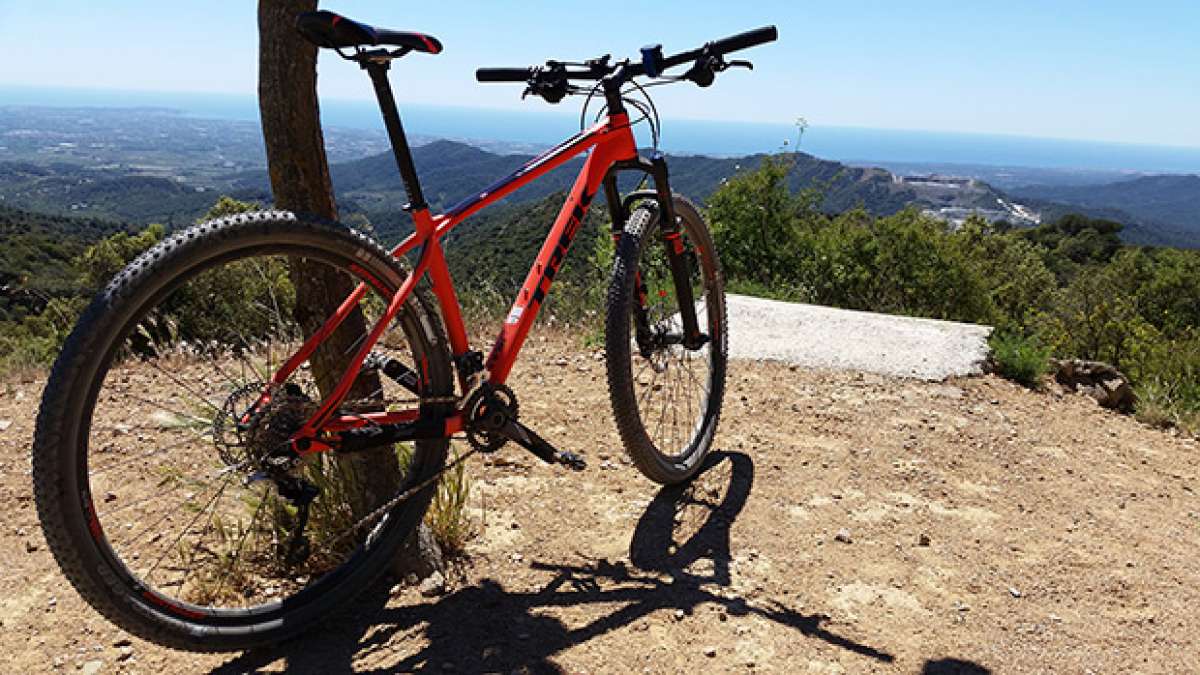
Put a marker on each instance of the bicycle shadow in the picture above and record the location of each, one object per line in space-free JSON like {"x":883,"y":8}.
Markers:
{"x":486,"y":627}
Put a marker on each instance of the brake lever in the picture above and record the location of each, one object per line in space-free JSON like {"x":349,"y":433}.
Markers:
{"x":548,"y":85}
{"x":740,"y":64}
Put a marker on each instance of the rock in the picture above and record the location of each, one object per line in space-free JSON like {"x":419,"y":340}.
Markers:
{"x":1104,"y":383}
{"x":923,"y":540}
{"x":433,"y":585}
{"x":843,"y":535}
{"x":710,"y":651}
{"x":30,"y":546}
{"x":1012,"y":590}
{"x":91,"y":667}
{"x":679,"y":614}
{"x":420,"y":555}
{"x":5,"y":424}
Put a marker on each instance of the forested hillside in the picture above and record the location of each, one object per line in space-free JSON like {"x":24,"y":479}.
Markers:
{"x":36,"y":255}
{"x":1156,"y":210}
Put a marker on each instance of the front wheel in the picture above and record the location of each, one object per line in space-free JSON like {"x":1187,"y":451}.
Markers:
{"x":666,"y":396}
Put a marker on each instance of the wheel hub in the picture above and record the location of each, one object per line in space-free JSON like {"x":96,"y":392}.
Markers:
{"x":256,"y":421}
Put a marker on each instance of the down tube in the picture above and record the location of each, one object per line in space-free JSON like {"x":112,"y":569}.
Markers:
{"x":541,"y":275}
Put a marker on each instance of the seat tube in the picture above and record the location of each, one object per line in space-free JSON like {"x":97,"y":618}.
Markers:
{"x":391,"y":119}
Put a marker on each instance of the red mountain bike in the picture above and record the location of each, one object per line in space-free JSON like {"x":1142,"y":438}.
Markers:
{"x":195,"y":462}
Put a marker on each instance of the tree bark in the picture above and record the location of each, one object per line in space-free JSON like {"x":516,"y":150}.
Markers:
{"x":299,"y":172}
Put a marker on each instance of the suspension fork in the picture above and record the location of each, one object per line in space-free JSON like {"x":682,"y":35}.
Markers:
{"x":677,"y":260}
{"x":669,"y":231}
{"x":656,"y":168}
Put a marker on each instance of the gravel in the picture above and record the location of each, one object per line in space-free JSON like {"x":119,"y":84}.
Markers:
{"x":839,"y":339}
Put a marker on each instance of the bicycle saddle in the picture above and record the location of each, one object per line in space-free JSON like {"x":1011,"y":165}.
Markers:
{"x":326,"y":29}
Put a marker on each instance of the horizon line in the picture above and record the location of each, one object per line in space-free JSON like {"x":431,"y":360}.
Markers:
{"x":557,"y":113}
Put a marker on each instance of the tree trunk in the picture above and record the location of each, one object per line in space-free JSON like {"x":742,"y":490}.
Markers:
{"x":299,"y":172}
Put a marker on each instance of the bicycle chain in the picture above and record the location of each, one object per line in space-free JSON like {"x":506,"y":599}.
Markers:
{"x":403,"y":495}
{"x":400,"y":497}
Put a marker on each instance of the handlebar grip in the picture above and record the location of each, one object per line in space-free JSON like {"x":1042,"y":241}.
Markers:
{"x":503,"y":74}
{"x":750,"y":38}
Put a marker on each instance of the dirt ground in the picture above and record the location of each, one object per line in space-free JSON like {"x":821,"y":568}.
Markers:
{"x":848,"y":523}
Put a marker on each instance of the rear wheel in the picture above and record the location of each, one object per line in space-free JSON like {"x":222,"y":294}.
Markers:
{"x":149,"y":472}
{"x":665,"y":396}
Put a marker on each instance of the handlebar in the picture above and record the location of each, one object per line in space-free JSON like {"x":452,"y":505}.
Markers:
{"x":733,"y":43}
{"x":751,"y":38}
{"x":596,"y":71}
{"x":503,"y":74}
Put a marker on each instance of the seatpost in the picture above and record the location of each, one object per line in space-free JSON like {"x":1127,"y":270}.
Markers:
{"x":391,"y":119}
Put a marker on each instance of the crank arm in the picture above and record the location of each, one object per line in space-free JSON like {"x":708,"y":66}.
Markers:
{"x":526,"y":438}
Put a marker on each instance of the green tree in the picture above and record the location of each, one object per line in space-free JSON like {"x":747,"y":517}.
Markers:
{"x":755,"y":221}
{"x":104,"y":259}
{"x":1019,"y":284}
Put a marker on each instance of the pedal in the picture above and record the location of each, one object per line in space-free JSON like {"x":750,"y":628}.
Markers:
{"x":571,"y":460}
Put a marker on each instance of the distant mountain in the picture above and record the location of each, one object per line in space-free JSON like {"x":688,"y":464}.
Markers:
{"x":1158,"y":210}
{"x":112,"y":194}
{"x":1164,"y":209}
{"x":452,"y":171}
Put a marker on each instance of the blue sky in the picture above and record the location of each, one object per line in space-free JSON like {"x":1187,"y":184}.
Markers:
{"x":1112,"y":71}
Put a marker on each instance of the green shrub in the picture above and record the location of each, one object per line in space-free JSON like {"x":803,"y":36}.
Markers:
{"x":1020,"y":358}
{"x":905,"y":263}
{"x":756,"y":221}
{"x":447,"y":516}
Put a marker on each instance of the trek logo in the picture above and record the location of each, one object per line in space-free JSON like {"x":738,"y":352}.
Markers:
{"x":560,"y":250}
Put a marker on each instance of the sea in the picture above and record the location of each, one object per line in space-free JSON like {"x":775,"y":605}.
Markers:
{"x":538,"y":127}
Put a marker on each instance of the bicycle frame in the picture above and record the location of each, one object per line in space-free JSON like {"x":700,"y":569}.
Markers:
{"x":610,"y":143}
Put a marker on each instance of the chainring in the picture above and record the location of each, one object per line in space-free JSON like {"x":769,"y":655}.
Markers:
{"x":489,"y":410}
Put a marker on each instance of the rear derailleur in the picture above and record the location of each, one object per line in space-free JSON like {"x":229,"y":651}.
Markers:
{"x":252,"y":434}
